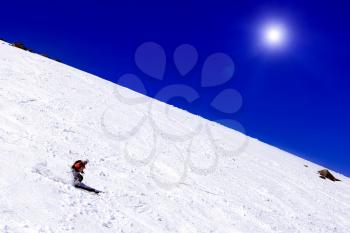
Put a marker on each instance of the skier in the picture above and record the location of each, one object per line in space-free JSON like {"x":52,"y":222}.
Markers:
{"x":77,"y":171}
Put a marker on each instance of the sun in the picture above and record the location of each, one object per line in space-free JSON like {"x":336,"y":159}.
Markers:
{"x":274,"y":35}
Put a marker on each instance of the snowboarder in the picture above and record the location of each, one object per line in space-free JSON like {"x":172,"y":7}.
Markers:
{"x":77,"y":171}
{"x":327,"y":174}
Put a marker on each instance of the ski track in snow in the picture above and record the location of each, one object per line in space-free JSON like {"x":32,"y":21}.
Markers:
{"x":50,"y":116}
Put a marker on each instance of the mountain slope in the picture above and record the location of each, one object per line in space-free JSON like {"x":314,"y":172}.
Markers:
{"x":155,"y":179}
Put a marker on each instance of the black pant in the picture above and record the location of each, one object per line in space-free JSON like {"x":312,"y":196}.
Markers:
{"x":85,"y":187}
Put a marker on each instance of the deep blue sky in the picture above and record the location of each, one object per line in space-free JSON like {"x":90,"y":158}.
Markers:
{"x":296,"y":98}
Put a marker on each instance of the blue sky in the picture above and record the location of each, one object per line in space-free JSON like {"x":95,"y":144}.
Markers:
{"x":295,"y":97}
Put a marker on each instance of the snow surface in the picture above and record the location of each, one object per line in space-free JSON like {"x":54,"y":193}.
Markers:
{"x":162,"y":168}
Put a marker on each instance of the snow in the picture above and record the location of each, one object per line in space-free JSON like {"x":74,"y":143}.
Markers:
{"x":162,"y":168}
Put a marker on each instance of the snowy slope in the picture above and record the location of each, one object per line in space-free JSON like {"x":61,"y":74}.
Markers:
{"x":155,"y":178}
